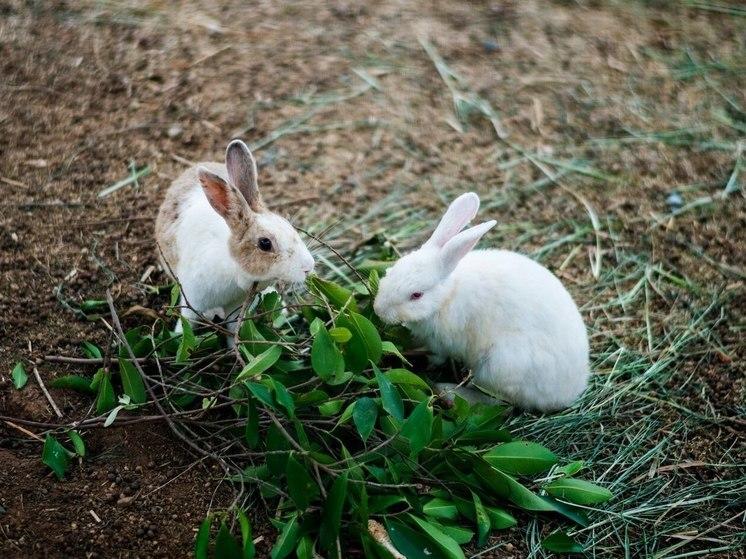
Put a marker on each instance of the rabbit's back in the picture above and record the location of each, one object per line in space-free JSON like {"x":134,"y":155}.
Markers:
{"x":183,"y":208}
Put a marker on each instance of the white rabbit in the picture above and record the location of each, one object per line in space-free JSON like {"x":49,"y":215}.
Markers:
{"x":506,"y":317}
{"x":217,"y":237}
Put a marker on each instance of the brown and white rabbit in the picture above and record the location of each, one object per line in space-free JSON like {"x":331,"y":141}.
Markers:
{"x":217,"y":237}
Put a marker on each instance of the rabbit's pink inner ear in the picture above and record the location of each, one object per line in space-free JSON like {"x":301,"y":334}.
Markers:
{"x":461,"y":211}
{"x":216,"y":190}
{"x":460,"y":245}
{"x":242,"y":172}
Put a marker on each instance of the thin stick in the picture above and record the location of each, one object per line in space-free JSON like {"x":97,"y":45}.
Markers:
{"x":337,"y":254}
{"x":239,"y":322}
{"x":24,"y":430}
{"x":81,"y":360}
{"x":47,"y":394}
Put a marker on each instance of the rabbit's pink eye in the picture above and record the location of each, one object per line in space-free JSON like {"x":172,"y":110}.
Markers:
{"x":416,"y":295}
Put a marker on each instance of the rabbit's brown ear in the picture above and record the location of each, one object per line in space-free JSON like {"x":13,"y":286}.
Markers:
{"x":242,"y":173}
{"x":222,"y":197}
{"x":461,"y":211}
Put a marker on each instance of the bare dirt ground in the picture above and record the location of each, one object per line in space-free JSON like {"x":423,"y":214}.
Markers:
{"x":88,"y":89}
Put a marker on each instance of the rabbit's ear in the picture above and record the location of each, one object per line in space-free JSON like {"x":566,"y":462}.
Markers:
{"x":461,"y":211}
{"x":222,"y":196}
{"x":460,"y":245}
{"x":242,"y":173}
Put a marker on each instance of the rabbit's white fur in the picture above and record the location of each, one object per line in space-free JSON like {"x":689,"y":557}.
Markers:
{"x":212,"y":248}
{"x":506,"y":317}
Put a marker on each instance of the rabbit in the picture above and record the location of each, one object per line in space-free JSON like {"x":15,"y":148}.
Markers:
{"x":506,"y":317}
{"x":216,"y":236}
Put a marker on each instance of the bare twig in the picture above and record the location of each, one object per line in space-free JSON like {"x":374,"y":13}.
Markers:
{"x":23,"y":430}
{"x":47,"y":394}
{"x":241,"y":314}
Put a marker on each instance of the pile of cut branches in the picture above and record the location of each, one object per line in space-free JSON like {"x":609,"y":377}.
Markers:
{"x":313,"y":409}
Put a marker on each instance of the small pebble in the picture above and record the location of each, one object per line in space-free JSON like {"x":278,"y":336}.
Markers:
{"x":175,"y":131}
{"x":675,"y":201}
{"x":490,"y":46}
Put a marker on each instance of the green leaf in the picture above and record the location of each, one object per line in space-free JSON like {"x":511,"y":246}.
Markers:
{"x":390,"y":398}
{"x":20,"y":378}
{"x":405,"y":377}
{"x":364,"y":415}
{"x":337,"y":295}
{"x":326,"y":359}
{"x":418,"y":427}
{"x":571,"y":469}
{"x":260,"y":363}
{"x":287,"y":539}
{"x":483,"y":519}
{"x":412,"y":544}
{"x":365,"y":344}
{"x":112,"y":415}
{"x":188,"y":341}
{"x":91,"y":351}
{"x":106,"y":399}
{"x":578,"y":491}
{"x":508,"y":488}
{"x":331,"y":407}
{"x":251,"y":433}
{"x":96,"y":380}
{"x":305,"y":548}
{"x":92,"y":305}
{"x":459,"y":534}
{"x":283,"y":397}
{"x":443,"y":541}
{"x":78,"y":443}
{"x":520,"y":457}
{"x":175,"y":295}
{"x":311,"y":398}
{"x":74,"y":382}
{"x":55,"y":456}
{"x":301,"y":486}
{"x":559,"y":542}
{"x":332,"y":515}
{"x":226,"y":546}
{"x":202,"y":541}
{"x":485,"y":436}
{"x":251,"y":338}
{"x":390,"y":348}
{"x":246,"y":537}
{"x":132,"y":382}
{"x":500,"y":519}
{"x":262,"y":393}
{"x":483,"y":417}
{"x":379,"y":503}
{"x":340,"y":335}
{"x":440,"y":508}
{"x":373,"y":281}
{"x":277,"y":444}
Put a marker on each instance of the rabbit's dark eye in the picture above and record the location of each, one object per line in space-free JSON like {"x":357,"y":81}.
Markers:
{"x":264,"y":244}
{"x":416,"y":295}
